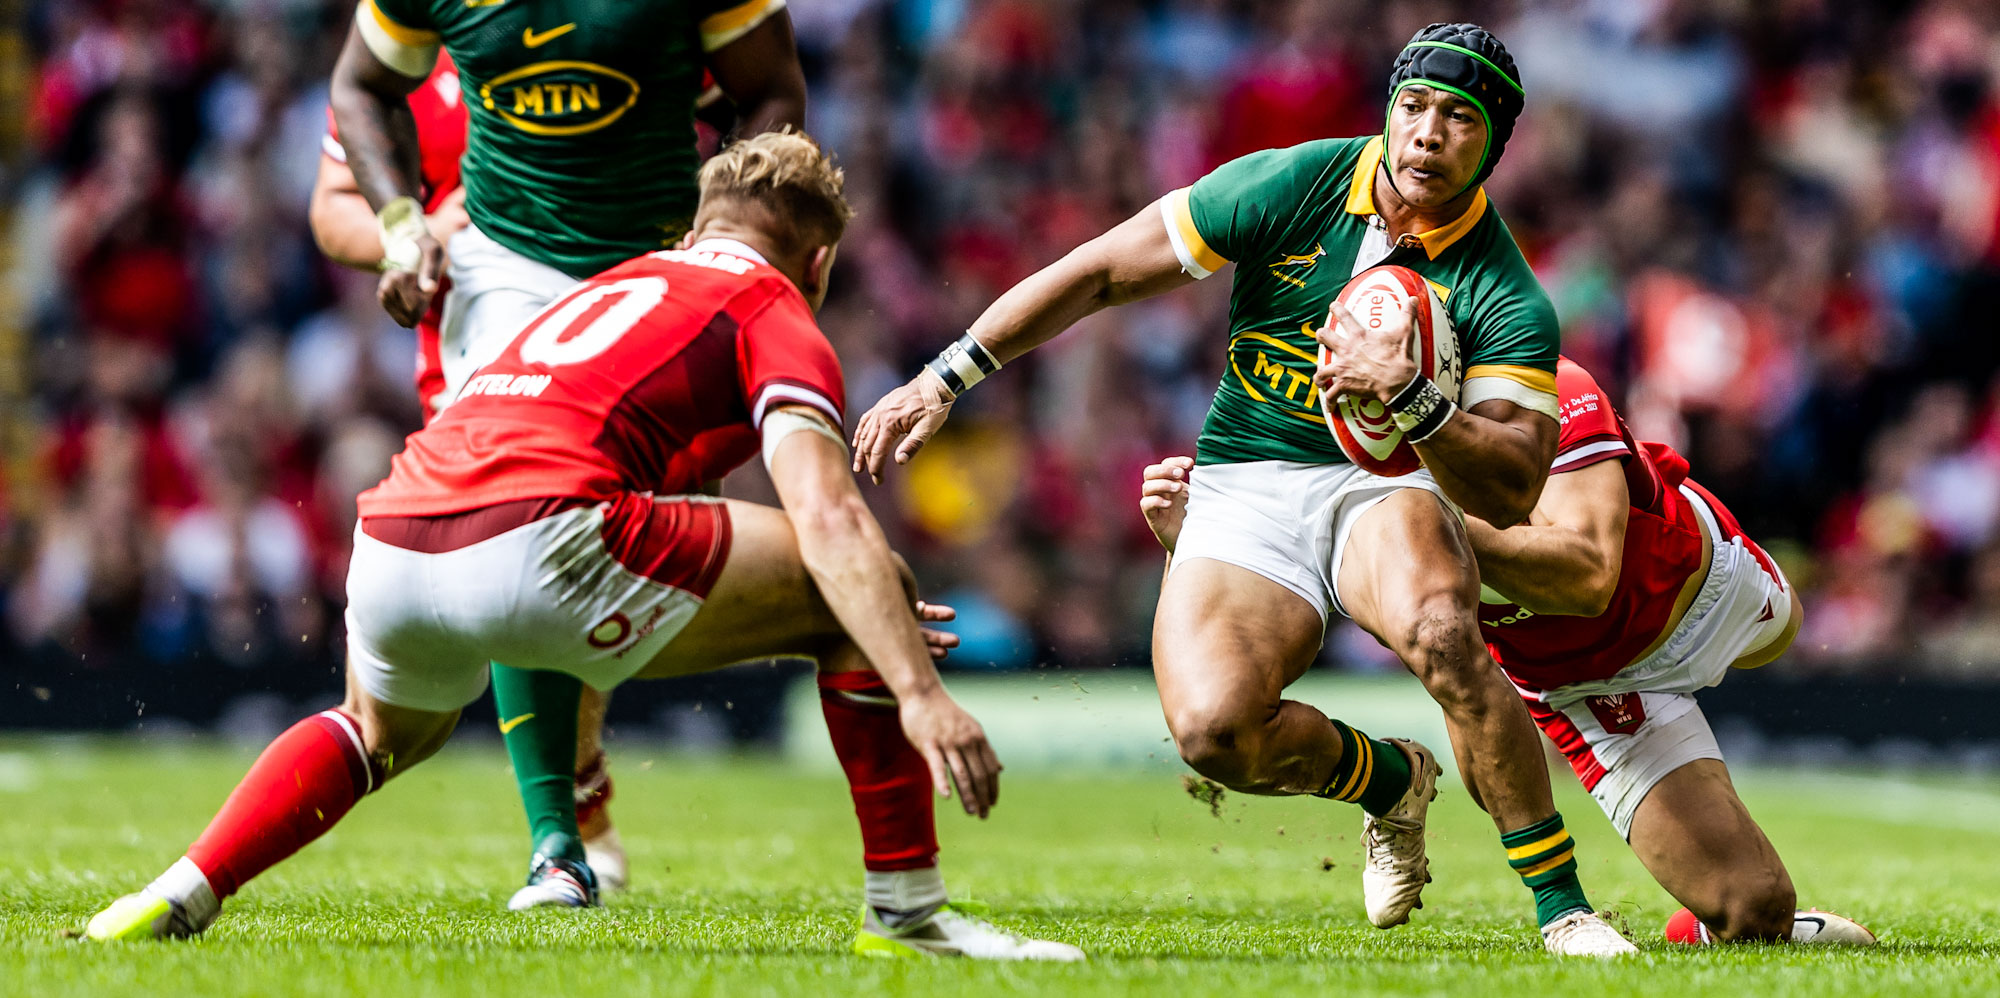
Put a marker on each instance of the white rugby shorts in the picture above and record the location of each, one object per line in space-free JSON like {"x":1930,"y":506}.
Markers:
{"x":1284,"y":520}
{"x":494,"y":291}
{"x":1623,"y":735}
{"x":594,"y":590}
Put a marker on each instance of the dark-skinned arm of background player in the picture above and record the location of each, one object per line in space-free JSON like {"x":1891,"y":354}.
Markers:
{"x":371,"y":108}
{"x":760,"y":75}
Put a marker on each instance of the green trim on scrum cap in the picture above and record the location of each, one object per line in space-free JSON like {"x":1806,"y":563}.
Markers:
{"x":1460,"y":48}
{"x":1448,"y":88}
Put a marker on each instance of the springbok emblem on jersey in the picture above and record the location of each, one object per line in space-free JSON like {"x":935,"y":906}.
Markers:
{"x":1300,"y":260}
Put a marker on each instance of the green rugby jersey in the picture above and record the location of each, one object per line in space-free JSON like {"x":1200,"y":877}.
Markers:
{"x":580,"y":152}
{"x":1299,"y":223}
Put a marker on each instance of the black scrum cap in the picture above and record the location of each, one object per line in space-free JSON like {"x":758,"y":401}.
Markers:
{"x":1466,"y":60}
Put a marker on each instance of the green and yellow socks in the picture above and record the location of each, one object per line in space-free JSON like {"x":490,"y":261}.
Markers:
{"x":1371,"y":773}
{"x":1545,"y":857}
{"x":538,"y":721}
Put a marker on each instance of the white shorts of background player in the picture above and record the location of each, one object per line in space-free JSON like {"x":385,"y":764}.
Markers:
{"x":494,"y":291}
{"x":1726,"y":620}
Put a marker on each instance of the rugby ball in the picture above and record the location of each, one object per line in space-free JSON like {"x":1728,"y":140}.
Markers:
{"x":1362,"y":427}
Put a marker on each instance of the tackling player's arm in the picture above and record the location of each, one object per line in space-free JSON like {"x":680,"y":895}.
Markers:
{"x":861,"y":580}
{"x":1566,"y":559}
{"x":1490,"y":459}
{"x":1134,"y":260}
{"x":344,"y":226}
{"x":759,"y":72}
{"x":380,"y":64}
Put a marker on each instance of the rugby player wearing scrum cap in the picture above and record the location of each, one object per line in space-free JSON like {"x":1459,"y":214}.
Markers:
{"x":1281,"y":527}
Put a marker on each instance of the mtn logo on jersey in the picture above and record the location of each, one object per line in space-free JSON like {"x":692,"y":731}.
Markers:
{"x":560,"y":97}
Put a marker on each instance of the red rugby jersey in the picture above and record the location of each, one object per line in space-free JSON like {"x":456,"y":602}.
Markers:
{"x":653,"y":376}
{"x":440,"y":117}
{"x":1663,"y":550}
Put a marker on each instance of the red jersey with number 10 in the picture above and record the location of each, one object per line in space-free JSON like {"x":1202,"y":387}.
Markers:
{"x":653,"y":376}
{"x":1663,"y":552}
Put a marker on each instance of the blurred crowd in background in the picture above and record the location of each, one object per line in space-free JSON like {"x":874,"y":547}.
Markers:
{"x":1771,"y":229}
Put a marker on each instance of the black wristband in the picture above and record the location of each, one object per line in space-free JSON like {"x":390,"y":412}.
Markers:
{"x":1420,"y":410}
{"x":966,"y":362}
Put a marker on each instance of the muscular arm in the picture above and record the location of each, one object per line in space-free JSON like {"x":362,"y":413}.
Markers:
{"x":1492,"y":459}
{"x":1132,"y":261}
{"x":1565,"y":560}
{"x":861,"y":580}
{"x":760,"y":74}
{"x":371,"y":108}
{"x":344,"y":226}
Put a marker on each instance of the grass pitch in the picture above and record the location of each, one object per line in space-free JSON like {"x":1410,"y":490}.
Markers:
{"x":747,"y":880}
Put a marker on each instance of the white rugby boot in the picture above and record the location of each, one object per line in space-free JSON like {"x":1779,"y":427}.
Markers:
{"x":556,"y":883}
{"x":606,"y":855}
{"x":1396,"y":869}
{"x":949,"y":931}
{"x":1813,"y":927}
{"x":1585,"y":933}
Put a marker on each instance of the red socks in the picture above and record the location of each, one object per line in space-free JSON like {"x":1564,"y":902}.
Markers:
{"x":890,"y":782}
{"x":306,"y":780}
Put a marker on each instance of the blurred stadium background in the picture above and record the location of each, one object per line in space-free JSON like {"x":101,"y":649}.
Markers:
{"x":1771,"y":228}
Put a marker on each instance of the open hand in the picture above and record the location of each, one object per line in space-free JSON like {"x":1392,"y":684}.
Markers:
{"x":1163,"y":496}
{"x":903,"y":421}
{"x":939,"y":643}
{"x":954,"y":747}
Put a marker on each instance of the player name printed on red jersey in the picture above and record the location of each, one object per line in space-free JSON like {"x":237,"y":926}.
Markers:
{"x":1663,"y":550}
{"x":652,"y":376}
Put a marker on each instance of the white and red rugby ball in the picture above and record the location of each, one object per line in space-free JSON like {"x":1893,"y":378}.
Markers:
{"x":1363,"y":428}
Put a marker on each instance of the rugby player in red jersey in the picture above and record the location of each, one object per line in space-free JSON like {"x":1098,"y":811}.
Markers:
{"x":346,"y":230}
{"x":549,"y":519}
{"x":1629,"y":588}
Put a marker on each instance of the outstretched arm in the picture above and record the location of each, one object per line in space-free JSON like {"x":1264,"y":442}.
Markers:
{"x":370,"y":107}
{"x":1134,"y":260}
{"x":861,"y":580}
{"x":1566,"y":559}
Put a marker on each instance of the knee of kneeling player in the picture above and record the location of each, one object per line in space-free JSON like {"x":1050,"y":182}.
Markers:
{"x":1757,"y":906}
{"x":1221,"y":745}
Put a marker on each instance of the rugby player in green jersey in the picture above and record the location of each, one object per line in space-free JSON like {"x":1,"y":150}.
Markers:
{"x":580,"y":154}
{"x":1281,"y":528}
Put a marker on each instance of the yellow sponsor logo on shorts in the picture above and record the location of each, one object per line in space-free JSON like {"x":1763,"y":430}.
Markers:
{"x":560,"y":97}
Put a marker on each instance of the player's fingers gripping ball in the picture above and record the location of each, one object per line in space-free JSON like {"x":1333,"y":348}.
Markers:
{"x":1375,"y":435}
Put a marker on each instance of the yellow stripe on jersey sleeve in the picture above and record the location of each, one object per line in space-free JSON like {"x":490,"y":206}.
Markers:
{"x":718,"y":30}
{"x":1193,"y":251}
{"x":1532,"y":377}
{"x":409,"y":51}
{"x":1528,"y":387}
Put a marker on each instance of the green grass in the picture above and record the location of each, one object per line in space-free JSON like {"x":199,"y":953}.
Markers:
{"x":747,"y":881}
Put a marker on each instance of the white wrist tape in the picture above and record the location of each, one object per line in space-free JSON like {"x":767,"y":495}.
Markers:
{"x":402,"y":222}
{"x":782,"y":423}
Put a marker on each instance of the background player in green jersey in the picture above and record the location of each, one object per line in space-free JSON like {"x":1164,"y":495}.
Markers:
{"x":1280,"y":528}
{"x":580,"y":153}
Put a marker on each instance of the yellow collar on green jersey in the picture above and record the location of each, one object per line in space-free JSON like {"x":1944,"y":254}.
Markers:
{"x":1361,"y":201}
